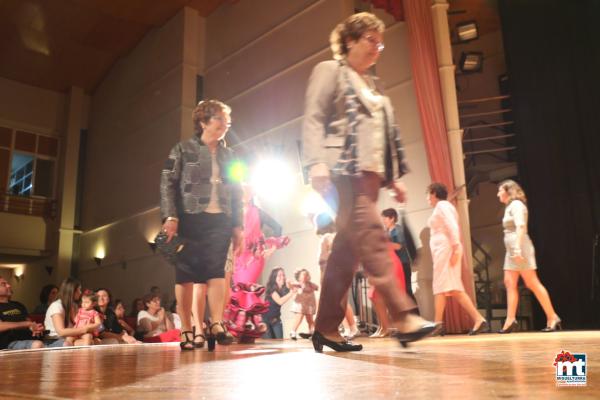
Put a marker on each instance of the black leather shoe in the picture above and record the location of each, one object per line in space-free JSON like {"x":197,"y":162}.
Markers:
{"x":440,"y":330}
{"x":345,"y":345}
{"x":512,"y":328}
{"x":305,"y":335}
{"x":482,"y":326}
{"x":406,"y":337}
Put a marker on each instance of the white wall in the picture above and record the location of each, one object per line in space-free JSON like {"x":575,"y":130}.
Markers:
{"x":31,"y":108}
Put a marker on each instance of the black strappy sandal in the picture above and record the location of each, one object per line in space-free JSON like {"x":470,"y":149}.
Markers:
{"x":223,"y":337}
{"x":187,"y":344}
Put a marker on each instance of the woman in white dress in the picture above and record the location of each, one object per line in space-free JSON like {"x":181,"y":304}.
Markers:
{"x":520,"y":258}
{"x":447,"y":252}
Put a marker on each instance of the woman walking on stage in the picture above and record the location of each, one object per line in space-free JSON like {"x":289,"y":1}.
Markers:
{"x":351,"y":144}
{"x":520,"y":258}
{"x":446,"y":252}
{"x":202,"y":204}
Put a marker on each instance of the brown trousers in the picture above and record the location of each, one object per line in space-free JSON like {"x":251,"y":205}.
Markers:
{"x":360,"y":238}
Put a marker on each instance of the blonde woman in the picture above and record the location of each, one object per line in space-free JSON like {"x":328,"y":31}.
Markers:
{"x":520,"y":258}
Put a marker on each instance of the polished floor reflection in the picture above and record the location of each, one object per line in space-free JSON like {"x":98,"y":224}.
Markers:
{"x":456,"y":367}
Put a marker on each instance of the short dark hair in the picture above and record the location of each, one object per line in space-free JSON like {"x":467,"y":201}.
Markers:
{"x":149,"y":297}
{"x":390,"y":213}
{"x":439,"y":190}
{"x":205,"y":110}
{"x":299,"y":271}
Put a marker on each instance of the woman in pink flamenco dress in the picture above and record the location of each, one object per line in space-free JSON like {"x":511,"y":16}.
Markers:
{"x":246,"y":306}
{"x":446,"y":251}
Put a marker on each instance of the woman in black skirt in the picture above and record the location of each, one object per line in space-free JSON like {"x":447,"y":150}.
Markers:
{"x":201,"y":204}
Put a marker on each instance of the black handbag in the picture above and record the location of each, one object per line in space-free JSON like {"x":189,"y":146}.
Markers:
{"x":169,"y":250}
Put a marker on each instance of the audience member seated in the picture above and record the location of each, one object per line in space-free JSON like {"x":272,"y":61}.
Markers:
{"x":155,"y":323}
{"x":87,"y":315}
{"x":113,"y":330}
{"x":17,"y":332}
{"x":47,"y":297}
{"x":122,"y":319}
{"x":60,"y":315}
{"x":136,"y":306}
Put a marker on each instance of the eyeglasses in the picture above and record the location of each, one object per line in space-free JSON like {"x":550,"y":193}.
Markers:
{"x":227,"y":121}
{"x":374,"y":42}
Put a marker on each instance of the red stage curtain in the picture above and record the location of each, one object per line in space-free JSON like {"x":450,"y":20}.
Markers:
{"x":393,"y":7}
{"x":429,"y":98}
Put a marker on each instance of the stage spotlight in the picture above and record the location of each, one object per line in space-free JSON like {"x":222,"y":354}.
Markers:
{"x":467,"y":31}
{"x":471,"y":62}
{"x":272,"y":179}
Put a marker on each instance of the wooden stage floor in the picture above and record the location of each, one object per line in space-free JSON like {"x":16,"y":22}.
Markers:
{"x":486,"y":366}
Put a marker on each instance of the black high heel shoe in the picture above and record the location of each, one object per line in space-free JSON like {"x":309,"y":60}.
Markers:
{"x":223,"y":337}
{"x":319,"y":341}
{"x":424,"y":330}
{"x":440,"y":330}
{"x":187,"y":344}
{"x":482,"y":326}
{"x":555,"y":325}
{"x":512,"y":328}
{"x":198,"y":345}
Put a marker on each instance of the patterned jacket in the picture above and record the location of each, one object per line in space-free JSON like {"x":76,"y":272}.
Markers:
{"x":185,"y":181}
{"x":326,"y":125}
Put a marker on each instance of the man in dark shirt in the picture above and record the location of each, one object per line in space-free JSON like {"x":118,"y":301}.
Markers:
{"x":17,"y":332}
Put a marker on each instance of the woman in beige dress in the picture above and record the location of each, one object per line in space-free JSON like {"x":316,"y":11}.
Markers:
{"x":447,"y":253}
{"x":520,"y":258}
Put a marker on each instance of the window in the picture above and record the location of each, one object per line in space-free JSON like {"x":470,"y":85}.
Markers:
{"x":27,"y":163}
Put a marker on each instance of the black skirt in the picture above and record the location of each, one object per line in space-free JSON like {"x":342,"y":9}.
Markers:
{"x":207,"y":238}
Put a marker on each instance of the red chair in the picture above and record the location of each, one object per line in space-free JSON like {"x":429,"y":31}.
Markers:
{"x":39,"y":318}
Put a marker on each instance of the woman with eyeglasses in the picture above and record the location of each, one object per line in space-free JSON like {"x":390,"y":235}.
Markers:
{"x":202,"y":203}
{"x":351,"y":144}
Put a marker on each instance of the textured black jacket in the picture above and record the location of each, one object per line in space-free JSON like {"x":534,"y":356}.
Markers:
{"x":185,"y":181}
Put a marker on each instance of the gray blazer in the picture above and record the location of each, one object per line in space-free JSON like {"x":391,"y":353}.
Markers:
{"x":325,"y":122}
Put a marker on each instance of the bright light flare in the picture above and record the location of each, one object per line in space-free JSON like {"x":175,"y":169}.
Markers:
{"x":237,"y":172}
{"x":313,"y":204}
{"x":272,"y":180}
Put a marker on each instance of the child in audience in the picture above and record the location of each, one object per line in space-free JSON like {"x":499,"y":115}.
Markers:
{"x":87,"y":315}
{"x":305,"y":302}
{"x":120,"y":313}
